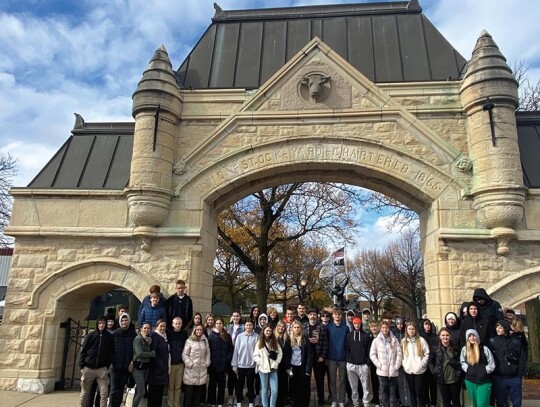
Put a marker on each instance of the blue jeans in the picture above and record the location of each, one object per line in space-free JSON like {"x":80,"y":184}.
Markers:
{"x":507,"y":385}
{"x":272,"y":379}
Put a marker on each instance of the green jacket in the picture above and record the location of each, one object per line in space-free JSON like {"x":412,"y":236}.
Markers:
{"x":141,"y":350}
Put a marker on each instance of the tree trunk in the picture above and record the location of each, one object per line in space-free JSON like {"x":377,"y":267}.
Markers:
{"x":262,"y":292}
{"x":532,"y":308}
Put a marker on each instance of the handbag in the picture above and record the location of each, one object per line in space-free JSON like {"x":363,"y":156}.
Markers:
{"x":130,"y":381}
{"x":272,"y":354}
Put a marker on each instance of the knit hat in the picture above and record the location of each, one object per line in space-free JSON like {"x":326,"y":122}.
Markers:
{"x":451,"y":315}
{"x":472,"y":332}
{"x":399,"y":320}
{"x":357,"y":320}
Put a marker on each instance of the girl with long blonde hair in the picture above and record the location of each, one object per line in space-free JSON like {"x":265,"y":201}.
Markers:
{"x":415,"y":363}
{"x":302,"y":356}
{"x":478,"y":363}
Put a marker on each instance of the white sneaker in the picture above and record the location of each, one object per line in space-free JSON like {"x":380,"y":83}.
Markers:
{"x":341,"y":404}
{"x":238,"y":404}
{"x":334,"y":404}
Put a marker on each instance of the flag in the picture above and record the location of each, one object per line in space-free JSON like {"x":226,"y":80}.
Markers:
{"x":337,"y":258}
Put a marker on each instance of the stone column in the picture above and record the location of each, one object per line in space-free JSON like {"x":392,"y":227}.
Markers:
{"x":489,"y":87}
{"x":157,"y":107}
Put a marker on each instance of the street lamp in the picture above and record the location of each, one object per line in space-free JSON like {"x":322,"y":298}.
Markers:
{"x":302,"y":294}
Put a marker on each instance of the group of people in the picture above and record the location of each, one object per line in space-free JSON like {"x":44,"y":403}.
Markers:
{"x":387,"y":363}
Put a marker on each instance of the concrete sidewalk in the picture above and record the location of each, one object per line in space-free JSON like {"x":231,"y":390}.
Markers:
{"x":71,"y":399}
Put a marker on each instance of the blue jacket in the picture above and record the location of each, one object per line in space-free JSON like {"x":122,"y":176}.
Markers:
{"x":152,"y":315}
{"x":337,"y":339}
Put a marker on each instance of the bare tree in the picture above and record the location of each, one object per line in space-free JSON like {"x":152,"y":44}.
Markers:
{"x":529,"y":93}
{"x":365,"y":272}
{"x":231,"y":280}
{"x":404,"y":272}
{"x":253,"y":227}
{"x":8,"y":171}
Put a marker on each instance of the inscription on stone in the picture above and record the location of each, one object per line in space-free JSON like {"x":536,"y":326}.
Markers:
{"x":386,"y":161}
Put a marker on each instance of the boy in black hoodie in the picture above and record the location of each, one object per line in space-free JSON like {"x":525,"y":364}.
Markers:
{"x":476,"y":322}
{"x":357,"y":346}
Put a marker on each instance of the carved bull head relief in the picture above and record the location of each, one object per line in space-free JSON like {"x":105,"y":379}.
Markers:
{"x":315,"y":83}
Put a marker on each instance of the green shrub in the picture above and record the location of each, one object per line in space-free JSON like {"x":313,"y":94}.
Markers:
{"x":533,"y":370}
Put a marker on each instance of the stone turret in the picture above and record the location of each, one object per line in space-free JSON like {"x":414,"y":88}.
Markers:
{"x":489,"y":95}
{"x":157,"y":107}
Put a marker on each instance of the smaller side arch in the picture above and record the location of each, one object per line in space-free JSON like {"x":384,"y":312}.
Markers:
{"x":517,"y":288}
{"x":86,"y":272}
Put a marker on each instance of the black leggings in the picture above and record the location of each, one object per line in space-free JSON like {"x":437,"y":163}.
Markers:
{"x":417,"y":389}
{"x":246,"y":374}
{"x":451,"y":394}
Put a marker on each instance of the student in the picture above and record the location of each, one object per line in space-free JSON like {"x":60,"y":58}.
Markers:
{"x":221,"y":351}
{"x":123,"y":359}
{"x":318,"y":340}
{"x":386,"y":355}
{"x":510,"y":364}
{"x":476,"y":322}
{"x":337,"y":357}
{"x":301,"y":365}
{"x":197,"y":320}
{"x":428,"y":333}
{"x":446,"y":369}
{"x":153,"y":312}
{"x":180,"y":305}
{"x":403,"y":396}
{"x":142,"y":353}
{"x":154,"y":289}
{"x":209,"y":323}
{"x":452,"y":323}
{"x":284,"y":342}
{"x":96,"y":356}
{"x":196,"y":357}
{"x":415,"y":363}
{"x":477,"y":362}
{"x":254,"y":316}
{"x":358,"y":347}
{"x":273,"y":317}
{"x":374,"y":332}
{"x":177,"y":338}
{"x":267,"y":357}
{"x":235,"y":328}
{"x":243,"y":363}
{"x":158,"y":372}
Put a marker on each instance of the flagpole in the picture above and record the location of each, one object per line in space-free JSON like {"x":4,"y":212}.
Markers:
{"x":334,"y":279}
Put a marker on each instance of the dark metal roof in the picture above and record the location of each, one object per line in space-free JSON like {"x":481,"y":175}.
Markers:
{"x":528,"y":126}
{"x":96,"y":156}
{"x":387,"y":42}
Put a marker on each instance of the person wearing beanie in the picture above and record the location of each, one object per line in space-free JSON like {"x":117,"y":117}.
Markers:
{"x":477,"y":362}
{"x":510,"y":365}
{"x":357,"y":346}
{"x":123,"y":359}
{"x":452,"y":323}
{"x":476,"y":322}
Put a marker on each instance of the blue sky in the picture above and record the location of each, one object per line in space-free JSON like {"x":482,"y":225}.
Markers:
{"x":86,"y":56}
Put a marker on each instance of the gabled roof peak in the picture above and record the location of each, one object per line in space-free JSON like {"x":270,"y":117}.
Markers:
{"x":333,"y":10}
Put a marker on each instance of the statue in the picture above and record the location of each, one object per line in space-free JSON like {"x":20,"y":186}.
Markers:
{"x":339,"y":293}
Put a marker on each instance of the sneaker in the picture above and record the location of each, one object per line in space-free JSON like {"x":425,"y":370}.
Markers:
{"x":250,"y":404}
{"x":258,"y":401}
{"x":334,"y":404}
{"x":230,"y":402}
{"x":238,"y":404}
{"x":341,"y":404}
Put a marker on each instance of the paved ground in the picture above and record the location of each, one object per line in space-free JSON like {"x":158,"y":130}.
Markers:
{"x":71,"y":399}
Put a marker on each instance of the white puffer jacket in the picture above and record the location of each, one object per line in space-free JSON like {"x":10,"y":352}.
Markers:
{"x":386,"y":355}
{"x":263,"y":361}
{"x":196,"y":357}
{"x":412,"y":362}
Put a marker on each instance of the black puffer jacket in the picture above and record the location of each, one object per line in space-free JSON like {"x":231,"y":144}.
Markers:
{"x":221,"y":352}
{"x":123,"y":347}
{"x":437,"y":362}
{"x":97,"y":350}
{"x":508,"y":353}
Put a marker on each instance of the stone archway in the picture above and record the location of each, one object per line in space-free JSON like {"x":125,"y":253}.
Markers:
{"x":517,"y":288}
{"x":67,"y":293}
